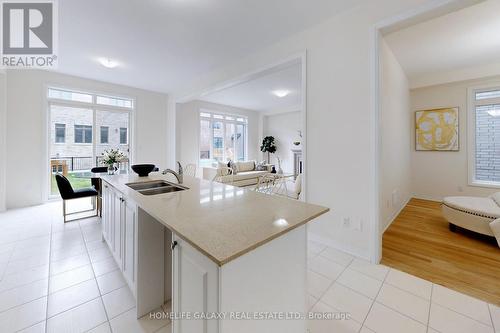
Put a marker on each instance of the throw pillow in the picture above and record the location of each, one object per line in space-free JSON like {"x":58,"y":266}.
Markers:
{"x":233,"y":167}
{"x":261,"y":166}
{"x":222,"y":169}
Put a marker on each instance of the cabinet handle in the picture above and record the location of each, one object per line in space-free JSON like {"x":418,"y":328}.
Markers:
{"x":174,"y":244}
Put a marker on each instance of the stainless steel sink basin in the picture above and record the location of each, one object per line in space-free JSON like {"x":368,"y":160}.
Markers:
{"x":156,"y":187}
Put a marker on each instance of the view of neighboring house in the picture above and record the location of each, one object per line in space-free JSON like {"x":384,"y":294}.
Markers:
{"x":74,"y":135}
{"x":83,"y":126}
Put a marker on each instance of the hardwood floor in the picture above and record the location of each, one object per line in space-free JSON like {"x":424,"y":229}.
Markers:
{"x":419,"y":242}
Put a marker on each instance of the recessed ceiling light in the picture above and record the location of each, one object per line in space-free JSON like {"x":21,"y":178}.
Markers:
{"x":281,"y":93}
{"x":108,"y":63}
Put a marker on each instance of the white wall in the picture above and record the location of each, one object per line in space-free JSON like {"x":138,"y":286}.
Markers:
{"x":27,"y":182}
{"x":3,"y":136}
{"x":340,"y":139}
{"x":283,"y":127}
{"x":440,"y":174}
{"x":188,"y":128}
{"x":395,"y":143}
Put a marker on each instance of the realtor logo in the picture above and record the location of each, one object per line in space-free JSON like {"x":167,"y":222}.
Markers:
{"x":28,"y":34}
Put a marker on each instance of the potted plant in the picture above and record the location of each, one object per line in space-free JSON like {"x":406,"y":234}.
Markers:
{"x":268,"y":146}
{"x":112,"y":157}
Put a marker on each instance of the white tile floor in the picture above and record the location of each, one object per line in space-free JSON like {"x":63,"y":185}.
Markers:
{"x":57,"y":277}
{"x":383,"y":300}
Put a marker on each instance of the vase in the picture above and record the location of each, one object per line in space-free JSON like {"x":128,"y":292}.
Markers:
{"x":111,"y":169}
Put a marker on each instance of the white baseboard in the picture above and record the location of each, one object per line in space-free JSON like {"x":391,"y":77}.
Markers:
{"x":393,"y":217}
{"x":333,"y":244}
{"x":426,"y":197}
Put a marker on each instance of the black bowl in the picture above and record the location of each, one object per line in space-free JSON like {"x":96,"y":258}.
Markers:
{"x":143,"y":170}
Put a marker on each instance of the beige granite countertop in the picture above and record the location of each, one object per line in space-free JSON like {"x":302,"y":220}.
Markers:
{"x":221,"y":221}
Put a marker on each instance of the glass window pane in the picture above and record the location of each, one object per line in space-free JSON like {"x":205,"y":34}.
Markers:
{"x":205,"y":158}
{"x":487,"y":143}
{"x":218,"y":141}
{"x":70,"y":95}
{"x":488,"y":94}
{"x":204,"y":114}
{"x":240,"y":142}
{"x":104,"y":134}
{"x":114,"y":101}
{"x":88,"y":134}
{"x":229,"y":140}
{"x":117,"y":124}
{"x":67,"y":157}
{"x":218,"y":116}
{"x":123,"y":136}
{"x":60,"y":133}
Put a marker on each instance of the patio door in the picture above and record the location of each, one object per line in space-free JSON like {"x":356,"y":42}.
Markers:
{"x":71,"y":145}
{"x":81,"y":128}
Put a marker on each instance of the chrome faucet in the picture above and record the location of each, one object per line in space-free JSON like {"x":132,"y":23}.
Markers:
{"x":179,"y":175}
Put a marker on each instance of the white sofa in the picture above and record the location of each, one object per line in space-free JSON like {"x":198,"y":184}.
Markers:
{"x":245,"y":175}
{"x":478,"y":214}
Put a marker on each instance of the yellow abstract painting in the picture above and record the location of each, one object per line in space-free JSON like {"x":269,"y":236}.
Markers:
{"x":437,"y":129}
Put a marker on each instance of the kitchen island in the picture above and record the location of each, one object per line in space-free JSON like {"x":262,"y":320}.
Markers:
{"x":227,"y":258}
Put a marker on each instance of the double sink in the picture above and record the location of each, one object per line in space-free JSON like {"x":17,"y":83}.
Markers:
{"x":156,"y":187}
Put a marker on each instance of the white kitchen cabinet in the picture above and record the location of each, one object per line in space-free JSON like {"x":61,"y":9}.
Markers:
{"x":117,"y":249}
{"x":107,"y":214}
{"x":129,"y":217}
{"x":195,"y":287}
{"x":119,"y":218}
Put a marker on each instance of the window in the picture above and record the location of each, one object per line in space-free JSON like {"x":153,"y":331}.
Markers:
{"x":484,"y":137}
{"x":60,"y":135}
{"x":74,"y":96}
{"x":94,"y":123}
{"x":69,"y":95}
{"x":104,"y":134}
{"x":222,"y":138}
{"x":83,"y":134}
{"x":123,"y":136}
{"x":115,"y":101}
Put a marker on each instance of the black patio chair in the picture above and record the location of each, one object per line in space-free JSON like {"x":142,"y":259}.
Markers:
{"x":68,"y":193}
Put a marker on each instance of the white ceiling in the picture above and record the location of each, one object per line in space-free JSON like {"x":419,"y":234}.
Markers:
{"x":163,"y":43}
{"x":452,"y":45}
{"x":257,"y":95}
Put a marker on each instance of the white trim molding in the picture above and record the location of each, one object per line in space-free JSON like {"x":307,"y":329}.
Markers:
{"x":471,"y":131}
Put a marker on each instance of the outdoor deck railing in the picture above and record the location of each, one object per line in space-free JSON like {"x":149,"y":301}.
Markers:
{"x":78,"y":163}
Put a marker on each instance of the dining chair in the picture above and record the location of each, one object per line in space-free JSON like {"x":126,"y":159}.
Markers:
{"x":190,"y":170}
{"x":96,"y":182}
{"x":68,"y":193}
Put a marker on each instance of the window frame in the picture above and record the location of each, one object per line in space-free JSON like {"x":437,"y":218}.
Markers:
{"x":84,"y":136}
{"x":126,"y":136}
{"x":216,"y":116}
{"x":55,"y":134}
{"x":472,"y":103}
{"x":92,"y":106}
{"x":107,"y":135}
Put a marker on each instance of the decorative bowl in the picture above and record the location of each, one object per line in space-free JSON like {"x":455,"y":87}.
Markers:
{"x":143,"y":170}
